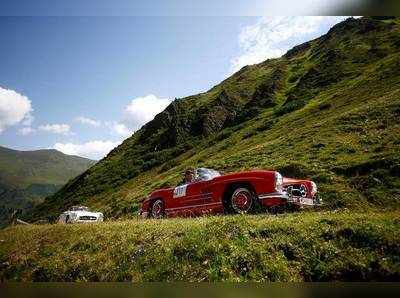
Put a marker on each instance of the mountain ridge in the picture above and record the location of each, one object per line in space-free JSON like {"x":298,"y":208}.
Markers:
{"x":27,"y":177}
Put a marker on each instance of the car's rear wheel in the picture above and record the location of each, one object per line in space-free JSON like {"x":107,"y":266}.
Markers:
{"x":157,"y":209}
{"x":67,"y":220}
{"x":242,"y":201}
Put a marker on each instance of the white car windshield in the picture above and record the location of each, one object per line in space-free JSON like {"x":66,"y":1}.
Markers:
{"x":79,"y":208}
{"x":203,"y":174}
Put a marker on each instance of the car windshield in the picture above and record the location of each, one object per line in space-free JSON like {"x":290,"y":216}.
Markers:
{"x":79,"y":208}
{"x":203,"y":174}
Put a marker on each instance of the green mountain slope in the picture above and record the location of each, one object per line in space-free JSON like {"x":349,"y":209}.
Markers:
{"x":27,"y":177}
{"x":328,"y":110}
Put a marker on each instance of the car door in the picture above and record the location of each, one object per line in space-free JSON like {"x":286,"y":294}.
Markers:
{"x":196,"y":195}
{"x":191,"y":197}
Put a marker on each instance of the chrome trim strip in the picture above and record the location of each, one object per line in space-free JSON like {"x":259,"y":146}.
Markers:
{"x":194,"y":206}
{"x":278,"y":195}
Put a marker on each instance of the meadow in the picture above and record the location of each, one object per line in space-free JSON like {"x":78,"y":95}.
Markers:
{"x":305,"y":246}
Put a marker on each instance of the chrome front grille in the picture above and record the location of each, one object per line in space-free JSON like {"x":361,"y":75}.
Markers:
{"x":296,"y":190}
{"x":86,"y":217}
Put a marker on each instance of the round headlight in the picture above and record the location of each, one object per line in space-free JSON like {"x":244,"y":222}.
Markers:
{"x":314,"y":188}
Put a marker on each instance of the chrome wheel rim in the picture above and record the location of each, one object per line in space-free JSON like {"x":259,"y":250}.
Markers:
{"x":242,"y":200}
{"x":157,"y":209}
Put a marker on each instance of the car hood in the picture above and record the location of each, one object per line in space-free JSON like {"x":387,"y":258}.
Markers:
{"x":291,"y":180}
{"x":86,"y":213}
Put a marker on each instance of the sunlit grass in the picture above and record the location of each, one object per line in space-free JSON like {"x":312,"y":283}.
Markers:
{"x":302,"y":246}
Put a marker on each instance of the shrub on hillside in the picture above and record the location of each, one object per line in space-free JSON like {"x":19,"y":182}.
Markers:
{"x":290,"y":107}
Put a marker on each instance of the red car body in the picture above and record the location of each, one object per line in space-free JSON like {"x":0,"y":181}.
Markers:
{"x":212,"y":193}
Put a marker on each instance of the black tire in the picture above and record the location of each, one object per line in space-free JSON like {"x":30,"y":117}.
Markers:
{"x":157,"y":210}
{"x":67,"y":221}
{"x":242,"y":201}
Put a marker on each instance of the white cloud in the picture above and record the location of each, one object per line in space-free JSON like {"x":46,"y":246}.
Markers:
{"x":119,"y":128}
{"x":143,"y":109}
{"x":271,"y":37}
{"x":64,"y":129}
{"x":25,"y":131}
{"x":138,"y":112}
{"x":88,"y":121}
{"x":28,"y":120}
{"x":93,"y":149}
{"x":14,"y":108}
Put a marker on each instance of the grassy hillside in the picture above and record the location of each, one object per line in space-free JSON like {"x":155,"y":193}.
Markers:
{"x":326,"y":246}
{"x":23,"y":168}
{"x":27,"y":177}
{"x":328,"y":110}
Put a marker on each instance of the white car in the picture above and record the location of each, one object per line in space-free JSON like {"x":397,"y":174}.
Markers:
{"x":80,"y":214}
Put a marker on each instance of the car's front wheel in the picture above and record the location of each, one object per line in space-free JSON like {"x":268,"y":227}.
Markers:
{"x":242,"y":201}
{"x":157,"y":209}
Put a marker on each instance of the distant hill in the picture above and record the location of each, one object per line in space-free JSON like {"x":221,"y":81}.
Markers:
{"x":27,"y":177}
{"x":328,"y":110}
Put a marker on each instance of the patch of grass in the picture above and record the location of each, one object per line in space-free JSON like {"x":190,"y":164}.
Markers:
{"x":289,"y":107}
{"x":324,"y":106}
{"x":326,"y":246}
{"x":266,"y":125}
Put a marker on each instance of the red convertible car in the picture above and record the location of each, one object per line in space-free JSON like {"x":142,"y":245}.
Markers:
{"x":243,"y":192}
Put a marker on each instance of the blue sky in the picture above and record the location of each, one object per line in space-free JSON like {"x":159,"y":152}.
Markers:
{"x":173,"y":7}
{"x":83,"y":84}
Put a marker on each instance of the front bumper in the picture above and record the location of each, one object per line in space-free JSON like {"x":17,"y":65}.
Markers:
{"x":88,"y":221}
{"x":316,"y":201}
{"x":288,"y":198}
{"x":83,"y":221}
{"x":99,"y":219}
{"x":274,"y":195}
